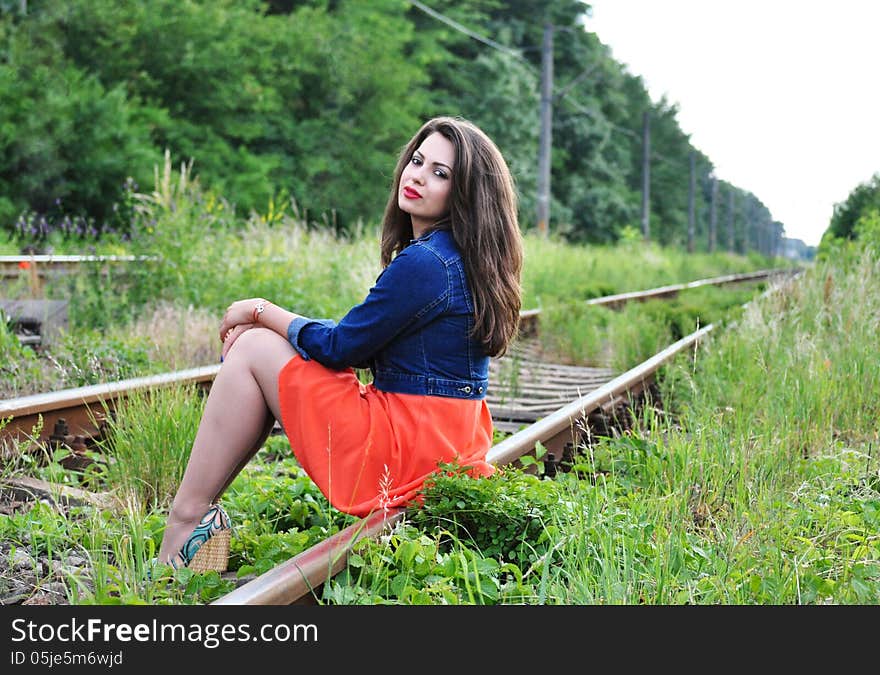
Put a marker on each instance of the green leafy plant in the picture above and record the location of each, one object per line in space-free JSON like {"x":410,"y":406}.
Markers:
{"x":504,"y":516}
{"x":412,"y":567}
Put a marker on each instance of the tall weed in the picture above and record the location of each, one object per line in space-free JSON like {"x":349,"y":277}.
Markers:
{"x":150,"y":438}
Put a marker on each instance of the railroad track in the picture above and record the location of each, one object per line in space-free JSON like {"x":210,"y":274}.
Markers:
{"x":546,"y":403}
{"x":540,"y":387}
{"x":43,"y":265}
{"x":32,"y":318}
{"x":298,"y":580}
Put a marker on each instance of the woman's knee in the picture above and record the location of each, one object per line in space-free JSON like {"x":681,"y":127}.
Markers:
{"x":261,"y":341}
{"x":266,"y":352}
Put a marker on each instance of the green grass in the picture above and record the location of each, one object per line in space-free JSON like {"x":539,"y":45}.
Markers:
{"x":149,"y":440}
{"x":557,"y":273}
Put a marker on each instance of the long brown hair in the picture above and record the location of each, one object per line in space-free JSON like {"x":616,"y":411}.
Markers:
{"x":483,"y":221}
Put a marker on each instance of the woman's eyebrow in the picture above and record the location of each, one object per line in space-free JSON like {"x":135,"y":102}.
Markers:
{"x":434,"y":163}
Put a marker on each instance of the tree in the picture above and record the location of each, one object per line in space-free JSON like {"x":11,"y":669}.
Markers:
{"x":863,"y":199}
{"x":68,"y":143}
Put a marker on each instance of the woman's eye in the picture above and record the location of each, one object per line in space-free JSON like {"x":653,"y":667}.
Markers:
{"x":441,"y":173}
{"x":416,"y":161}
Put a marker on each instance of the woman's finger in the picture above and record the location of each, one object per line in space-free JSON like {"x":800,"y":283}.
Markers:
{"x":231,"y":336}
{"x":225,"y":327}
{"x":229,"y":339}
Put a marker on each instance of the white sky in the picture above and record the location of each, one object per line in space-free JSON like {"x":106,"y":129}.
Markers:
{"x":783,"y":96}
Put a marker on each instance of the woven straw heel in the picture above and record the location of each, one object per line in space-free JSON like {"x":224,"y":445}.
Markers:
{"x":207,"y":548}
{"x":213,"y":554}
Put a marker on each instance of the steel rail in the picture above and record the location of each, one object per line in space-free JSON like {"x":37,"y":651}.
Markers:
{"x":558,"y":429}
{"x":59,"y":258}
{"x":13,"y":265}
{"x":82,"y":408}
{"x":296,"y":579}
{"x":620,"y":299}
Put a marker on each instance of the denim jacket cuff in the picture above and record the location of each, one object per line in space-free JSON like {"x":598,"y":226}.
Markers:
{"x":295,"y":328}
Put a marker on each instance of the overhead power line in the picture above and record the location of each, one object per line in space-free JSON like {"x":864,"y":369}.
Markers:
{"x":557,"y":95}
{"x":467,"y":31}
{"x":599,"y":116}
{"x":586,"y":72}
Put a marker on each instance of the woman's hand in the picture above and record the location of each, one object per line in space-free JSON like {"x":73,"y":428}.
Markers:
{"x":239,"y":317}
{"x":239,"y":312}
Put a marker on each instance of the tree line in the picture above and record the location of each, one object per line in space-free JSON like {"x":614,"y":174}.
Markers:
{"x":855,"y":221}
{"x":308,"y":102}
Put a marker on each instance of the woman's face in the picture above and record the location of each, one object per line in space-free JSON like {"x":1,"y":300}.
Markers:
{"x":426,"y":183}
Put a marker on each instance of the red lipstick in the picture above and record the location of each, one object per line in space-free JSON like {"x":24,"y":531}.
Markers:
{"x":410,"y":193}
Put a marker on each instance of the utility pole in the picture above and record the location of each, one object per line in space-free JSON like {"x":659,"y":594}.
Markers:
{"x":777,"y":238}
{"x":646,"y":177}
{"x":691,"y":204}
{"x":546,"y":142}
{"x":731,"y":244}
{"x":750,"y":227}
{"x":713,"y":214}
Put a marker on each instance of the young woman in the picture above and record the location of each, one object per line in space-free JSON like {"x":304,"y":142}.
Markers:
{"x":446,"y":301}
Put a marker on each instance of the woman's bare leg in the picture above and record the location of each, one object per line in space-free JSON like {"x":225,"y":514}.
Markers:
{"x":260,"y":442}
{"x":240,"y":411}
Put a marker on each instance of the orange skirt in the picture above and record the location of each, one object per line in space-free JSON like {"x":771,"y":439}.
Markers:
{"x":368,"y":449}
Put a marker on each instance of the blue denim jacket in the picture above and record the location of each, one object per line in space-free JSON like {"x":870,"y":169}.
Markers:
{"x":411,"y":330}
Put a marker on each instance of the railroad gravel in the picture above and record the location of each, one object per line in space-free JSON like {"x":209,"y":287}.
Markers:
{"x":40,"y":580}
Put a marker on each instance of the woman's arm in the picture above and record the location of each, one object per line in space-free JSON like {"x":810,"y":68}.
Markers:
{"x":412,"y":291}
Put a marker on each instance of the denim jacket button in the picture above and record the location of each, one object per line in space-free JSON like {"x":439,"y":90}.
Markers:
{"x":480,"y":390}
{"x":467,"y":389}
